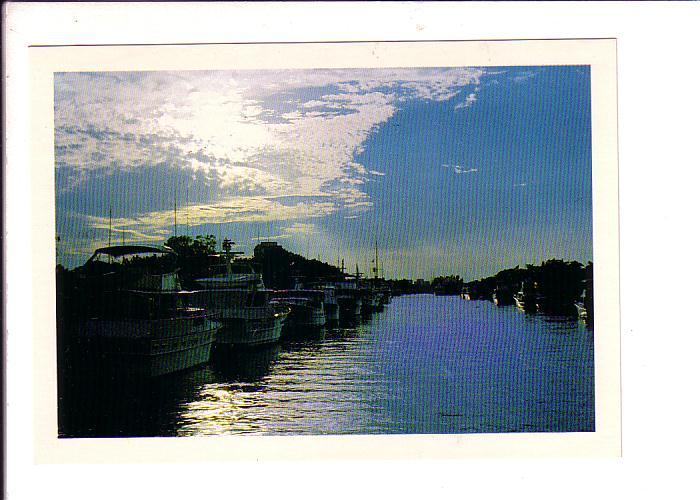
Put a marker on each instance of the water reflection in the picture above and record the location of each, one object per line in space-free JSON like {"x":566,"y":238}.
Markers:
{"x":424,"y":365}
{"x":244,"y":364}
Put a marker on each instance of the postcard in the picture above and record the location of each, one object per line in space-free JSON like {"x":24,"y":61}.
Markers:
{"x":326,"y":250}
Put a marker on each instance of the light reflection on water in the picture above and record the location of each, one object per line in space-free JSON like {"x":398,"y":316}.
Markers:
{"x":424,"y":365}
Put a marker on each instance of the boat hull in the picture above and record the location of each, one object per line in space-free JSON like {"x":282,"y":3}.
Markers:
{"x":525,"y":303}
{"x":243,"y":324}
{"x":137,"y":349}
{"x":306,"y":316}
{"x":349,"y":308}
{"x":247,"y":331}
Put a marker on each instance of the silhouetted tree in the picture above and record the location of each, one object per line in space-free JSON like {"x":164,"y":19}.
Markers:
{"x":192,"y":254}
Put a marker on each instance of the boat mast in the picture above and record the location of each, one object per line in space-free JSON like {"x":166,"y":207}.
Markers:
{"x":376,"y":260}
{"x":226,"y":245}
{"x":175,"y":204}
{"x":110,"y":227}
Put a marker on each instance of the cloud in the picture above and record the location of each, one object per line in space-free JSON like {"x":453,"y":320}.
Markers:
{"x":465,"y":170}
{"x":471,"y":99}
{"x":458,"y":169}
{"x":299,"y":228}
{"x":244,"y":139}
{"x":523,"y":76}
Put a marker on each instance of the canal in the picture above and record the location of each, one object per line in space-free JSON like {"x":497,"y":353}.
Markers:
{"x":425,"y":364}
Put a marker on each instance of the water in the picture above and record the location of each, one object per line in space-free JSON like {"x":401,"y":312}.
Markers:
{"x":424,"y":365}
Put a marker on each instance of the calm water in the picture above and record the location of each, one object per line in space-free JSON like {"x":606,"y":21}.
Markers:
{"x":424,"y":365}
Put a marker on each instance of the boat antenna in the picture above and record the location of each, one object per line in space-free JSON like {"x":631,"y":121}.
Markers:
{"x":109,"y":241}
{"x":175,"y":204}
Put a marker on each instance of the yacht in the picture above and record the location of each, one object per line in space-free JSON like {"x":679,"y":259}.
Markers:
{"x":135,"y":321}
{"x":526,"y":298}
{"x":236,"y":293}
{"x":306,"y":307}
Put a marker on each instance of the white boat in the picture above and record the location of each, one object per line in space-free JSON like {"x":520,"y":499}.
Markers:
{"x":330,"y":304}
{"x":526,"y":298}
{"x":237,"y":294}
{"x":306,"y":307}
{"x":136,"y":321}
{"x":349,"y":299}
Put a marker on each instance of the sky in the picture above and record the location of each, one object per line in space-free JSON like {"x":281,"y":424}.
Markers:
{"x":462,"y":171}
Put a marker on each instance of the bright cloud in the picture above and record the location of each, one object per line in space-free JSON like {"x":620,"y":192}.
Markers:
{"x":250,"y":137}
{"x":458,"y":169}
{"x":471,"y":99}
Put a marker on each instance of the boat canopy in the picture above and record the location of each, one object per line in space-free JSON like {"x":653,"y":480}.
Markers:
{"x":120,"y":250}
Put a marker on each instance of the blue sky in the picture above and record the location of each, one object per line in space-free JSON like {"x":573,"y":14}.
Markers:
{"x":452,"y":170}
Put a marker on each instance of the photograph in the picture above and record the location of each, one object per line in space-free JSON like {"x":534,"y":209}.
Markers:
{"x":357,"y":250}
{"x":324,"y":251}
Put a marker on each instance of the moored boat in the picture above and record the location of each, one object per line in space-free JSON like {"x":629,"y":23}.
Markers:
{"x":525,"y":298}
{"x":502,"y":296}
{"x":584,"y":306}
{"x":349,"y":300}
{"x":330,"y":304}
{"x":306,"y":307}
{"x":135,"y":320}
{"x":237,"y":294}
{"x":370,"y":301}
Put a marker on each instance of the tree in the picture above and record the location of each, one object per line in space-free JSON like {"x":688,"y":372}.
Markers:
{"x":192,"y":254}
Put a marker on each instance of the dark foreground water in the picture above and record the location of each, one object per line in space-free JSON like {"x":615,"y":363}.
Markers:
{"x":424,"y":365}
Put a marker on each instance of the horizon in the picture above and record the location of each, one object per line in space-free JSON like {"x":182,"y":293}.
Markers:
{"x":453,"y":171}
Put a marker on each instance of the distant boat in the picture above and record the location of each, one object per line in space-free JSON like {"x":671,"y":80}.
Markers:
{"x":502,"y":296}
{"x":526,"y":298}
{"x":464,"y":294}
{"x":136,"y":320}
{"x":349,"y":299}
{"x":237,"y":294}
{"x":584,"y":306}
{"x":371,"y":300}
{"x":330,"y":303}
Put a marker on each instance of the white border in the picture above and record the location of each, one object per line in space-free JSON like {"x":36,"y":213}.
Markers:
{"x":657,"y":45}
{"x":599,"y":54}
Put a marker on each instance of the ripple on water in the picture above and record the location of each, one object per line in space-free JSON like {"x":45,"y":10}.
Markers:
{"x":425,"y":365}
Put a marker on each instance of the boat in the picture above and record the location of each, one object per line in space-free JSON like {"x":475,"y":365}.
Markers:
{"x":502,"y":296}
{"x":584,"y":306}
{"x":525,"y":299}
{"x":237,"y":294}
{"x":371,"y":301}
{"x":136,"y":322}
{"x":330,"y":304}
{"x":464,"y":294}
{"x":305,"y":306}
{"x":348,"y":295}
{"x":349,"y":300}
